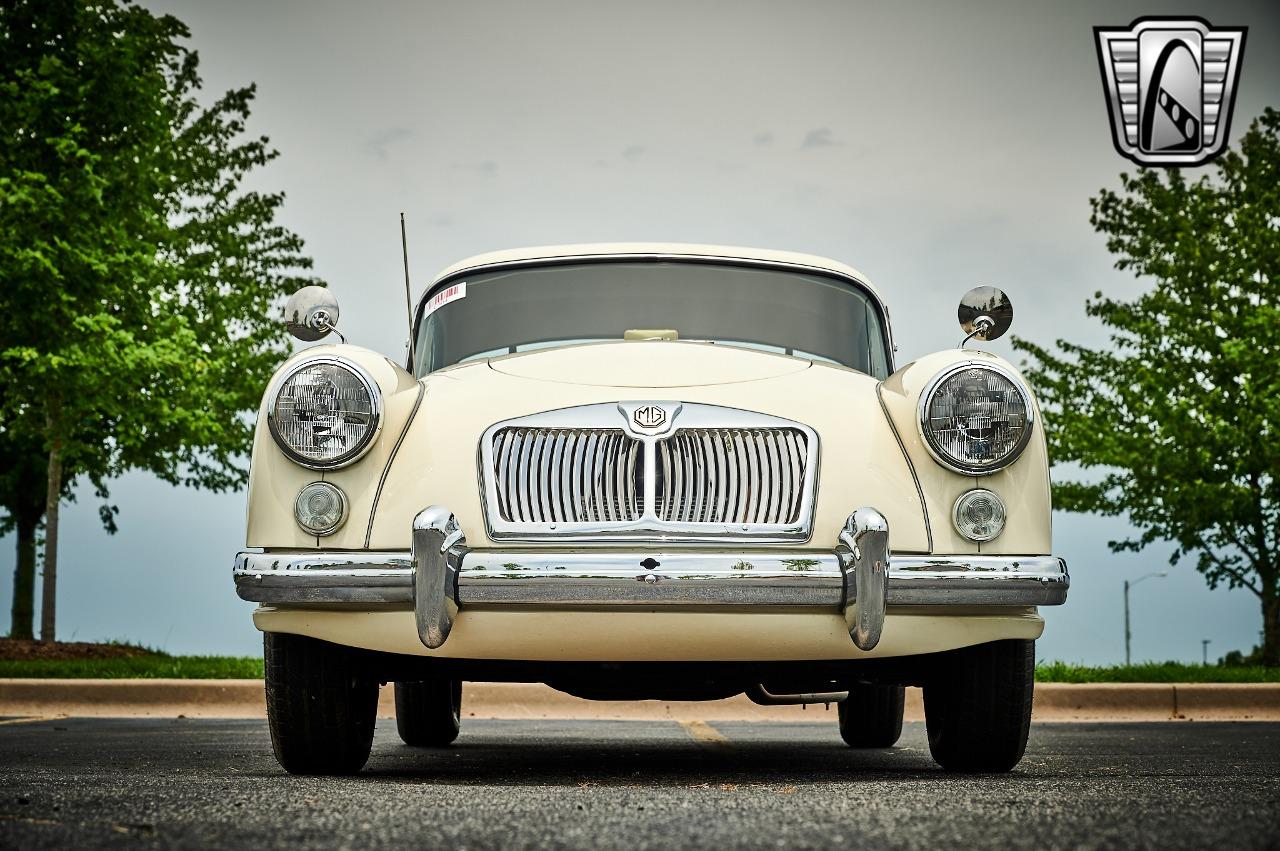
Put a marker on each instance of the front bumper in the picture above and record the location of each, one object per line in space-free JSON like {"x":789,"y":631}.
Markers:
{"x":858,"y":577}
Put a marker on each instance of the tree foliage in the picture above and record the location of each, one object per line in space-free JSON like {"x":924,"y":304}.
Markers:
{"x":1178,"y":417}
{"x":137,"y":276}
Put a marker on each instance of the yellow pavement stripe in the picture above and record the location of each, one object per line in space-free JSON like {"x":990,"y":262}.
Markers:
{"x":31,"y":719}
{"x":704,"y":733}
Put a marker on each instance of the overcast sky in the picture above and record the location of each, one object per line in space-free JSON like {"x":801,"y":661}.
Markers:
{"x":934,"y":146}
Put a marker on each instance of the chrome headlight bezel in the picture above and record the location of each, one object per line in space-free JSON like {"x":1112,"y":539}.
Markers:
{"x":353,"y":454}
{"x":926,"y":434}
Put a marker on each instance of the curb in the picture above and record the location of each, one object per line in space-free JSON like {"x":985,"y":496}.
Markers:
{"x":244,"y":699}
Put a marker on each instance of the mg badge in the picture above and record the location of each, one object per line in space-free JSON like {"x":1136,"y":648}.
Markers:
{"x":1170,"y":85}
{"x":650,"y":416}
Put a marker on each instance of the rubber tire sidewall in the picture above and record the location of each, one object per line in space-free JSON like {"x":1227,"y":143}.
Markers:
{"x":321,"y":706}
{"x":429,"y":712}
{"x":871,"y":717}
{"x":977,"y":705}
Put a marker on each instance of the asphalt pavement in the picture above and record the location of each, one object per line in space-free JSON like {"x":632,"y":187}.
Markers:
{"x":205,"y":783}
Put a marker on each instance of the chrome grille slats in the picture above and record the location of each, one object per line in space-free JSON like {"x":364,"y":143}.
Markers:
{"x":554,"y":490}
{"x":590,"y":503}
{"x":738,"y":476}
{"x":752,"y":463}
{"x":565,"y":475}
{"x":784,"y":471}
{"x":700,"y":450}
{"x":708,"y":473}
{"x":520,"y":488}
{"x":775,"y":474}
{"x":514,"y":446}
{"x":597,"y":509}
{"x":607,"y":480}
{"x":769,"y":483}
{"x":537,"y":479}
{"x":635,"y":484}
{"x":719,"y":478}
{"x":689,"y":504}
{"x":729,"y":456}
{"x":576,"y":473}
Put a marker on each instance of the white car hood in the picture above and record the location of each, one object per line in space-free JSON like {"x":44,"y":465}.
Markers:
{"x":649,"y":363}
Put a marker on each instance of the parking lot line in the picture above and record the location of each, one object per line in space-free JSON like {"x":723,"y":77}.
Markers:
{"x":704,"y":733}
{"x":30,"y":719}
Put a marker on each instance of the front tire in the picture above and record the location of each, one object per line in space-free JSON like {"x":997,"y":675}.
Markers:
{"x":321,"y":706}
{"x":871,"y":717}
{"x":977,"y":706}
{"x":429,"y":712}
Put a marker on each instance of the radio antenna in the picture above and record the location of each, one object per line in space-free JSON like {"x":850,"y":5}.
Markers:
{"x":408,"y":296}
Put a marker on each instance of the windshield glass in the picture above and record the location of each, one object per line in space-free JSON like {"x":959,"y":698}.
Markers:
{"x":498,"y":312}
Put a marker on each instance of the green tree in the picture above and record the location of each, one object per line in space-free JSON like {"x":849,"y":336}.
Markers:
{"x":137,"y":277}
{"x":22,"y":494}
{"x":1180,"y":416}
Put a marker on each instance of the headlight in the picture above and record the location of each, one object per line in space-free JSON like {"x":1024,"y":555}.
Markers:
{"x":975,"y":419}
{"x":979,"y":515}
{"x":325,"y":413}
{"x":321,"y":508}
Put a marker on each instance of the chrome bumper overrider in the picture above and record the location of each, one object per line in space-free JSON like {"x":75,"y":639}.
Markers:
{"x":858,"y":577}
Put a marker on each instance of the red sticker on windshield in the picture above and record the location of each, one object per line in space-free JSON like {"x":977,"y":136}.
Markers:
{"x":450,"y":293}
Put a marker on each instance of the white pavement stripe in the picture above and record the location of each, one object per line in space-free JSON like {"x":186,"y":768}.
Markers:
{"x":703,"y":733}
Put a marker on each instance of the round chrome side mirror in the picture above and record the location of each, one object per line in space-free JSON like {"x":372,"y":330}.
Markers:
{"x":985,"y":314}
{"x":311,"y":313}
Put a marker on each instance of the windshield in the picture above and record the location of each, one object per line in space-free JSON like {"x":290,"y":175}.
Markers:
{"x":796,"y":313}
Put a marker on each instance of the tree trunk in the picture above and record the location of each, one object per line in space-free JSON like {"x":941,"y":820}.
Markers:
{"x":1271,"y":630}
{"x":24,"y":581}
{"x":49,"y":591}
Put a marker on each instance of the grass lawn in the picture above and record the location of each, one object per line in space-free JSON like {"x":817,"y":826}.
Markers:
{"x":27,"y":659}
{"x":151,"y":666}
{"x":1154,"y":672}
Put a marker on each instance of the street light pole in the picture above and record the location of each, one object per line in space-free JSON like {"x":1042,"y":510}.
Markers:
{"x":1126,"y":623}
{"x":1127,"y":584}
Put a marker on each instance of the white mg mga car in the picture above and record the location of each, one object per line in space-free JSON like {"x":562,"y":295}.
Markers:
{"x":649,"y":472}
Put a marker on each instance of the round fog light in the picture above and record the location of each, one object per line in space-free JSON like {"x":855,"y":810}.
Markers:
{"x":321,"y":508}
{"x":979,"y":515}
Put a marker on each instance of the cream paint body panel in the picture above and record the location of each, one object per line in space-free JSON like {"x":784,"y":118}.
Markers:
{"x":860,"y":460}
{"x":274,"y":480}
{"x":650,"y":636}
{"x":1023,"y":485}
{"x":643,"y":364}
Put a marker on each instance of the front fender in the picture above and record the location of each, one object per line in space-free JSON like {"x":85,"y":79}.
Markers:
{"x":1023,"y":485}
{"x":274,"y":480}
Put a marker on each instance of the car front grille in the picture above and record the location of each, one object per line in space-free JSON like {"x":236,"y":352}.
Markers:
{"x":731,"y":475}
{"x":567,"y":475}
{"x":718,"y":472}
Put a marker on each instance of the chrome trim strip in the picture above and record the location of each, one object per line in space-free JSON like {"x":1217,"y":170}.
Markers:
{"x":864,"y":567}
{"x":922,"y":417}
{"x":798,"y":578}
{"x":363,"y":576}
{"x":604,"y":452}
{"x":911,"y":467}
{"x":649,"y":578}
{"x":386,"y":470}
